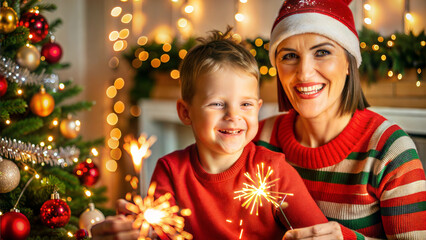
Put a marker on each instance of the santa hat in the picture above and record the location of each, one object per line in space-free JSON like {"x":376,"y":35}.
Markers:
{"x":329,"y":18}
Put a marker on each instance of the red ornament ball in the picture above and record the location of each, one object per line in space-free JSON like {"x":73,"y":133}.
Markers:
{"x":81,"y":234}
{"x":87,"y":172}
{"x":55,"y":213}
{"x":52,"y":52}
{"x":37,"y":24}
{"x":14,"y":226}
{"x":3,"y":85}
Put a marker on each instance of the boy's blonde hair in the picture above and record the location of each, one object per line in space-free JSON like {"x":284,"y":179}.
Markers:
{"x":214,"y":52}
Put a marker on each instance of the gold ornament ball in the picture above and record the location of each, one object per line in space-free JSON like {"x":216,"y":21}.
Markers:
{"x":9,"y":175}
{"x":42,"y":104}
{"x":90,"y":217}
{"x":69,"y":128}
{"x":28,"y":56}
{"x":8,"y":19}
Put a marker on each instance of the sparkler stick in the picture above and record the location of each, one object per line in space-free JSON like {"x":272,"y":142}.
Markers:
{"x":253,"y":193}
{"x":159,"y":215}
{"x":139,"y":150}
{"x":282,"y":212}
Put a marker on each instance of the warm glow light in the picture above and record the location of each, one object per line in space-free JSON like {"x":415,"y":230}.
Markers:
{"x":124,"y":33}
{"x":138,"y":149}
{"x":113,"y":143}
{"x":19,"y":91}
{"x":70,"y":234}
{"x":409,"y":17}
{"x":94,"y":152}
{"x":399,"y":76}
{"x":7,"y":122}
{"x":272,"y":72}
{"x":115,"y":154}
{"x":367,"y":7}
{"x":383,"y":57}
{"x":423,"y":43}
{"x":189,"y":9}
{"x":155,"y":63}
{"x":182,"y":53}
{"x":243,"y":1}
{"x":237,"y":37}
{"x":363,"y":45}
{"x":113,"y":36}
{"x":119,"y":83}
{"x":419,"y":70}
{"x":50,"y":138}
{"x":393,"y":37}
{"x":263,"y":70}
{"x":143,"y":56}
{"x":165,"y":58}
{"x":390,"y":73}
{"x":115,"y":133}
{"x":253,"y":52}
{"x":126,"y":18}
{"x":418,"y":83}
{"x":115,"y":12}
{"x":88,"y":193}
{"x":118,"y":46}
{"x":167,"y":47}
{"x":182,"y":22}
{"x":135,"y":111}
{"x":112,"y":119}
{"x":175,"y":74}
{"x":258,"y":42}
{"x":42,"y":144}
{"x":111,"y":92}
{"x":119,"y":107}
{"x":239,"y":17}
{"x":367,"y":21}
{"x":142,"y":40}
{"x":390,"y":43}
{"x":37,"y":176}
{"x":111,"y":165}
{"x":380,"y":39}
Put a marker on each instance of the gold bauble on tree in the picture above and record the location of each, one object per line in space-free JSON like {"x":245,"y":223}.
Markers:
{"x":8,"y":19}
{"x":42,"y":103}
{"x":28,"y":56}
{"x":69,"y":128}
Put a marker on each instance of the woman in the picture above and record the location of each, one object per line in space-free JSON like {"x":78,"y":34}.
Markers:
{"x":362,"y":170}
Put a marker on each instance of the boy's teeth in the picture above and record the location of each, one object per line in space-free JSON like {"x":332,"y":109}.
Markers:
{"x":311,"y":89}
{"x":230,"y":131}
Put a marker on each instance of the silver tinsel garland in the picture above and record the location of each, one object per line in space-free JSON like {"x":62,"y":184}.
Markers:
{"x":15,"y":73}
{"x":30,"y":153}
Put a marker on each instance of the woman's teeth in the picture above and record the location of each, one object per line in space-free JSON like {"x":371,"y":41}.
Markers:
{"x":311,"y":89}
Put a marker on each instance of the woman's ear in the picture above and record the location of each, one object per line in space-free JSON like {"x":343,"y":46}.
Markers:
{"x":183,"y":111}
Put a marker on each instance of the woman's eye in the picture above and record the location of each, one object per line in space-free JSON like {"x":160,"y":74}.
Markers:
{"x":289,"y":56}
{"x":322,"y":53}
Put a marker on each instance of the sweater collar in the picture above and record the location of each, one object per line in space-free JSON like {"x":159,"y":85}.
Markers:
{"x":328,"y":154}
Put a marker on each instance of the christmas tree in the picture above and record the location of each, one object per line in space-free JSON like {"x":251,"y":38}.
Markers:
{"x":47,"y":170}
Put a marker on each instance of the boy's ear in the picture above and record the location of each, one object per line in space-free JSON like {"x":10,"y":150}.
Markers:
{"x":183,"y":111}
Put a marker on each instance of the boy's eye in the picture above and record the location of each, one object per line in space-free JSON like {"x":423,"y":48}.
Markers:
{"x":247,"y":104}
{"x":215,"y":104}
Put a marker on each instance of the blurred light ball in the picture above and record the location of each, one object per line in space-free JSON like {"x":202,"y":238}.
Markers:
{"x":28,"y":56}
{"x":37,"y":24}
{"x":87,"y":173}
{"x":14,"y":226}
{"x":42,"y":104}
{"x":9,"y":175}
{"x":8,"y":19}
{"x":52,"y":52}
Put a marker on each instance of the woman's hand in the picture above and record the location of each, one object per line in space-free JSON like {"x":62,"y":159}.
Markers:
{"x":326,"y":231}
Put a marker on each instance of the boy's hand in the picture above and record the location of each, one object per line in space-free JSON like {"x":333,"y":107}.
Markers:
{"x":324,"y":231}
{"x":115,"y":227}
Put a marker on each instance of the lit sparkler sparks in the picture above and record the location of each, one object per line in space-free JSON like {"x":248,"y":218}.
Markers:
{"x":138,"y":149}
{"x":159,"y":215}
{"x":252,"y":194}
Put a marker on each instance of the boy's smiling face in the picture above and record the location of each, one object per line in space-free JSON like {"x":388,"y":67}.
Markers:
{"x":224,"y":111}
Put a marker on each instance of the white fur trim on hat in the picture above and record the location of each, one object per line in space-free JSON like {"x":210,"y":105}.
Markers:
{"x":314,"y":23}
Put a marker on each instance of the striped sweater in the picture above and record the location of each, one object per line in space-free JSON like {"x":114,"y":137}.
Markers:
{"x":369,"y":178}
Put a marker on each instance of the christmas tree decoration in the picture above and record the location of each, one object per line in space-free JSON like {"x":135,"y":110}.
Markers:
{"x":23,"y":76}
{"x":8,"y":19}
{"x":14,"y":226}
{"x":69,"y":128}
{"x":27,"y":152}
{"x":42,"y":103}
{"x":37,"y":24}
{"x":28,"y":56}
{"x":87,"y":172}
{"x":3,"y":85}
{"x":90,"y":217}
{"x":51,"y":51}
{"x":55,"y":212}
{"x":81,"y":234}
{"x":9,"y":175}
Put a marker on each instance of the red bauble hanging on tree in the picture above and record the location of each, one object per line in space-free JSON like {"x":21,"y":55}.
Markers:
{"x":55,"y":212}
{"x":37,"y":24}
{"x":81,"y":234}
{"x":87,"y":172}
{"x":52,"y":52}
{"x":3,"y":85}
{"x":14,"y":226}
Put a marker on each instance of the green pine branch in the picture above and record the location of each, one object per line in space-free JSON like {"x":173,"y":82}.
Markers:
{"x":69,"y":91}
{"x":14,"y":106}
{"x":23,"y":127}
{"x":76,"y":107}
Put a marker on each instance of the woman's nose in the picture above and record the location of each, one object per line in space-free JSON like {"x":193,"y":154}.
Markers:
{"x":305,"y":69}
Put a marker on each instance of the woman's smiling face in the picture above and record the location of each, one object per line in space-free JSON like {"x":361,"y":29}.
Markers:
{"x":312,"y":70}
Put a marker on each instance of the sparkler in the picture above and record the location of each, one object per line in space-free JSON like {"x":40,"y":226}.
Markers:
{"x":139,"y":150}
{"x":252,"y":194}
{"x":159,"y":215}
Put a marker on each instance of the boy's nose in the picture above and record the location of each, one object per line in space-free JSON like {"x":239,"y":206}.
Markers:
{"x":232,"y":113}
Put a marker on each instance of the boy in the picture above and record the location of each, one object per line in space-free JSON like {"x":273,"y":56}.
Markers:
{"x":220,"y":101}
